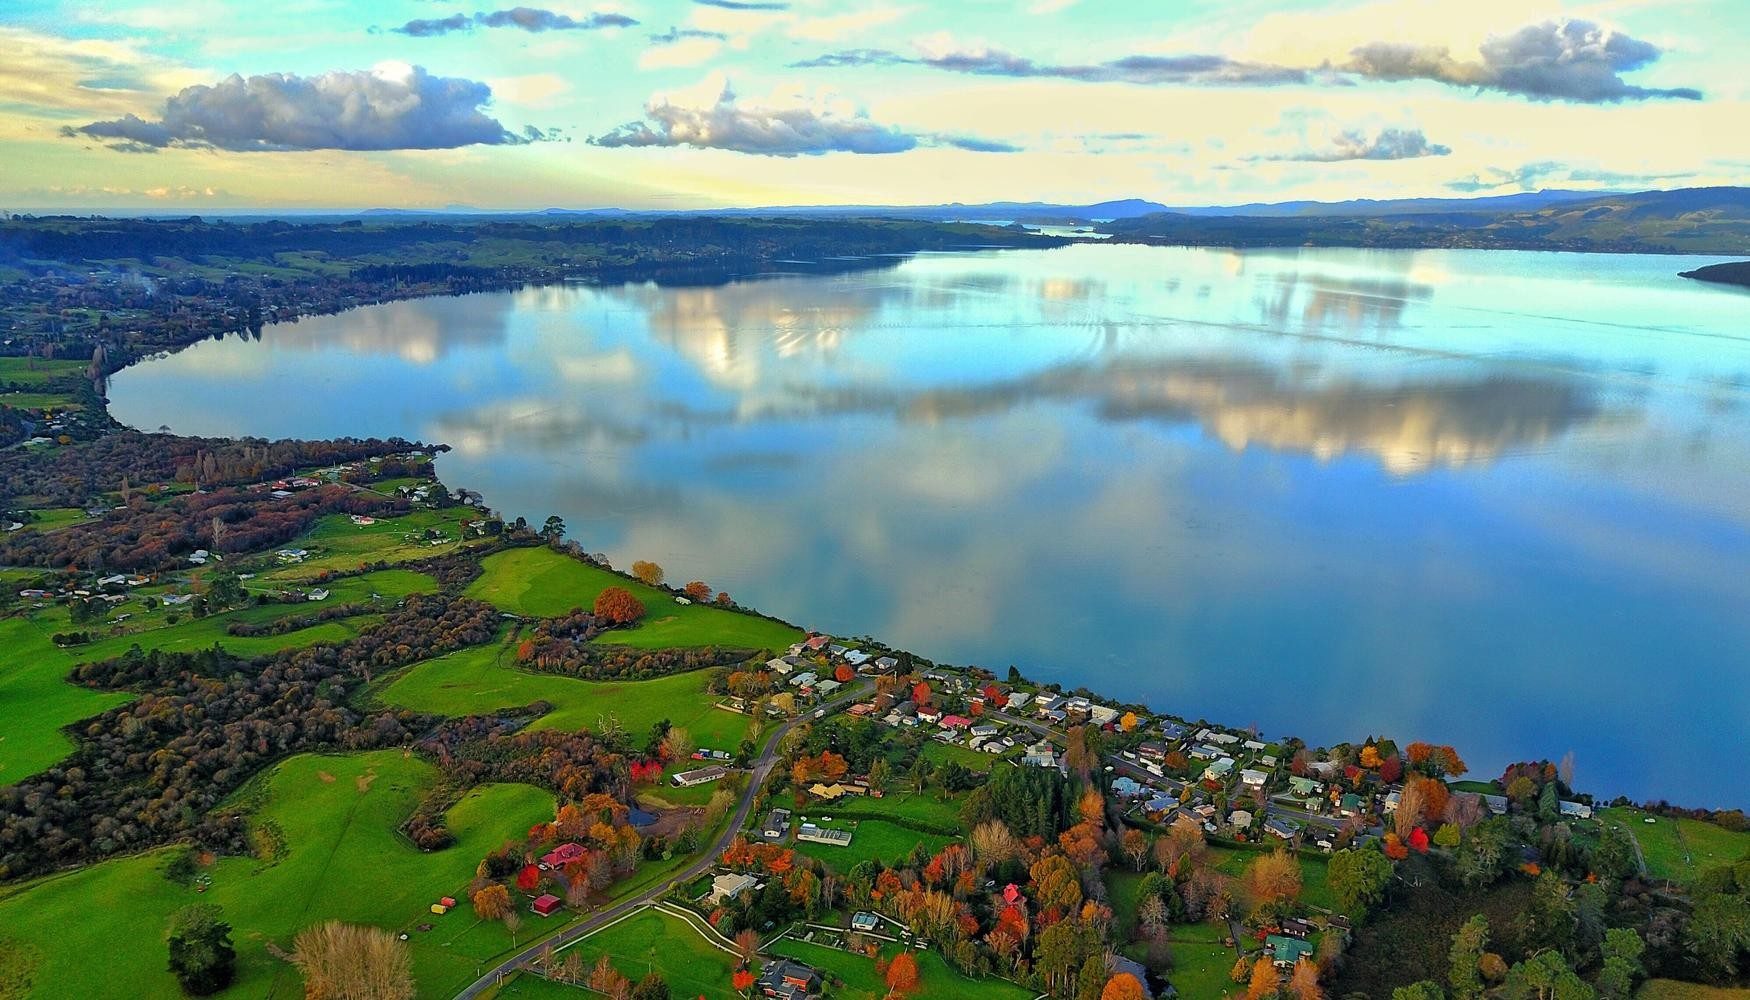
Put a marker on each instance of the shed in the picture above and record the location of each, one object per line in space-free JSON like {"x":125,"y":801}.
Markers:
{"x":547,"y":904}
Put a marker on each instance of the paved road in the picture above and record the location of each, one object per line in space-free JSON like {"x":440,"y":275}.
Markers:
{"x":761,"y":769}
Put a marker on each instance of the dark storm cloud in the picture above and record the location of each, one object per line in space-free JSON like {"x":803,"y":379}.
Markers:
{"x":533,"y":19}
{"x":359,"y":110}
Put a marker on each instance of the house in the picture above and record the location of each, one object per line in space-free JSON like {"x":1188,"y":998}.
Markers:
{"x":174,"y":600}
{"x":857,"y":658}
{"x":318,"y":594}
{"x":1253,"y":779}
{"x":956,"y":722}
{"x":787,"y":980}
{"x":1577,"y":810}
{"x":780,"y":665}
{"x":803,"y":679}
{"x":699,"y":776}
{"x":1349,"y":805}
{"x":1496,"y":804}
{"x":816,"y":643}
{"x":1218,"y":770}
{"x":984,"y":730}
{"x":834,"y":791}
{"x":883,"y":665}
{"x":1127,"y":787}
{"x":114,"y":580}
{"x":1253,"y":745}
{"x":292,"y":555}
{"x":1041,"y":754}
{"x":727,"y":887}
{"x":1161,"y":803}
{"x":1279,"y":828}
{"x":199,"y":557}
{"x":864,"y":921}
{"x":561,"y":856}
{"x":929,"y":713}
{"x":1285,"y":951}
{"x":777,"y":824}
{"x":546,"y":904}
{"x":1240,"y":819}
{"x":1018,"y":700}
{"x":1203,"y":751}
{"x":827,"y":687}
{"x":1172,"y":731}
{"x":813,"y":834}
{"x":1304,"y":786}
{"x":1152,"y":751}
{"x":1392,"y":798}
{"x":1296,"y":928}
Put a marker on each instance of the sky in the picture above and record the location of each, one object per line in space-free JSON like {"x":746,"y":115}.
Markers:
{"x":208,"y":106}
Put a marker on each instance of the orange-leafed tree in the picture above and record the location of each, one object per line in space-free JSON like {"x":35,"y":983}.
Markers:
{"x":1264,"y":980}
{"x":1123,"y":986}
{"x":491,"y":902}
{"x":1370,"y":757}
{"x":844,"y":673}
{"x":617,"y":606}
{"x":1394,"y":847}
{"x":698,"y":590}
{"x":1304,"y":983}
{"x":741,"y":979}
{"x":902,"y":973}
{"x":648,"y":572}
{"x":920,"y":693}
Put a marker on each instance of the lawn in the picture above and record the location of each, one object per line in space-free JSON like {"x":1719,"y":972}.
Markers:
{"x":1314,"y":889}
{"x":652,"y":941}
{"x":871,"y":840}
{"x":484,"y":678}
{"x":337,"y":543}
{"x":39,"y":401}
{"x":37,"y":371}
{"x":342,"y":860}
{"x":926,"y":812}
{"x":936,"y":981}
{"x":50,"y":518}
{"x":976,"y":760}
{"x":541,"y":583}
{"x":38,"y":701}
{"x":1679,"y":849}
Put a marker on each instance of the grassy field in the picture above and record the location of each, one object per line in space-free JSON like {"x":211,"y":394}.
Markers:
{"x":484,"y":678}
{"x":1671,"y":989}
{"x":39,"y":401}
{"x":1314,"y":890}
{"x":871,"y":840}
{"x":936,"y":981}
{"x":928,"y":810}
{"x":37,"y":371}
{"x":38,"y":701}
{"x":1201,"y":963}
{"x":541,"y":583}
{"x":50,"y":518}
{"x":336,"y":543}
{"x":342,"y":860}
{"x":1679,"y":849}
{"x":651,"y":941}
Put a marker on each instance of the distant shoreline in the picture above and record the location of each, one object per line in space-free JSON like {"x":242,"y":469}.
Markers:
{"x":1735,"y":273}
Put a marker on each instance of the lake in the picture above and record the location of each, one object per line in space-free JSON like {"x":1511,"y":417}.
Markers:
{"x":1494,"y":499}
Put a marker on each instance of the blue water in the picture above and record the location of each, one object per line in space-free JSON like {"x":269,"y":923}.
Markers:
{"x":1499,"y":500}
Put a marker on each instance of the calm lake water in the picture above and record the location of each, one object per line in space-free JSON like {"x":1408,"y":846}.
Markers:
{"x":1500,"y":500}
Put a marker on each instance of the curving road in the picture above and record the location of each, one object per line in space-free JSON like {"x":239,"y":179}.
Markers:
{"x":762,"y":768}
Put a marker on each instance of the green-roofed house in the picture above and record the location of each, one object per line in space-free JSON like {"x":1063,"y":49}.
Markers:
{"x":1285,"y":951}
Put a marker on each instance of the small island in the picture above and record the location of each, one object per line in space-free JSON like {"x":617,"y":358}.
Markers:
{"x":1734,"y":273}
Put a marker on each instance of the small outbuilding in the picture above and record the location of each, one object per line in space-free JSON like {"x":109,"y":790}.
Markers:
{"x":547,"y":904}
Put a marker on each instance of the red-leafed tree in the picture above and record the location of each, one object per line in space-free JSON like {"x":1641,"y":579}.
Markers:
{"x":843,"y":674}
{"x":741,"y":979}
{"x":902,"y":973}
{"x":1419,"y":840}
{"x":617,"y":606}
{"x":528,"y":878}
{"x":920,"y":693}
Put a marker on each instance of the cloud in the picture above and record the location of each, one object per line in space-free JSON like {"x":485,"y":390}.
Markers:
{"x":533,"y":19}
{"x":833,"y":27}
{"x":681,"y":47}
{"x":796,"y":123}
{"x":61,"y":77}
{"x":1542,"y":173}
{"x":1568,"y":60}
{"x":1556,"y":60}
{"x":1358,"y":144}
{"x":673,"y":35}
{"x":780,"y":125}
{"x":945,"y":53}
{"x":390,"y":107}
{"x":741,"y":5}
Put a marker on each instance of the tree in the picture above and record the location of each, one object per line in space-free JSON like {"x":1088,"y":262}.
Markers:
{"x":1123,"y":986}
{"x":741,"y":979}
{"x":553,"y":528}
{"x":651,"y":987}
{"x":491,"y":902}
{"x":1447,"y":836}
{"x":1466,"y":956}
{"x":1423,"y":990}
{"x":647,"y":572}
{"x":348,"y":962}
{"x":1135,"y":845}
{"x":1358,"y":878}
{"x":201,"y":956}
{"x":698,"y":591}
{"x":677,"y":744}
{"x":902,"y":973}
{"x":747,"y":945}
{"x":617,"y":606}
{"x":1622,"y":963}
{"x":1304,"y":981}
{"x":844,"y":674}
{"x":1264,"y":980}
{"x":1273,"y":880}
{"x":1545,"y":976}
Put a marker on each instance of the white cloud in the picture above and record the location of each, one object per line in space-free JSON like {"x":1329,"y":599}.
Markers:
{"x":681,"y":52}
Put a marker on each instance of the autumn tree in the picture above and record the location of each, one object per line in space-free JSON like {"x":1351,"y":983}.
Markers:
{"x":647,"y":572}
{"x":677,"y":743}
{"x":844,"y":674}
{"x":1135,"y":845}
{"x":741,"y":979}
{"x":992,"y":843}
{"x":617,"y":606}
{"x":1264,"y":980}
{"x":491,"y":902}
{"x":1123,"y":986}
{"x":747,"y":945}
{"x":902,"y":973}
{"x":1304,"y":981}
{"x":1273,"y":880}
{"x":346,"y":962}
{"x":604,"y":978}
{"x":698,"y":591}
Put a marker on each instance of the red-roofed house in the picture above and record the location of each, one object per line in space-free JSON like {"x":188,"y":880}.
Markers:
{"x":1011,"y":894}
{"x":561,"y":856}
{"x":956,"y":722}
{"x":816,"y":643}
{"x":547,"y":904}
